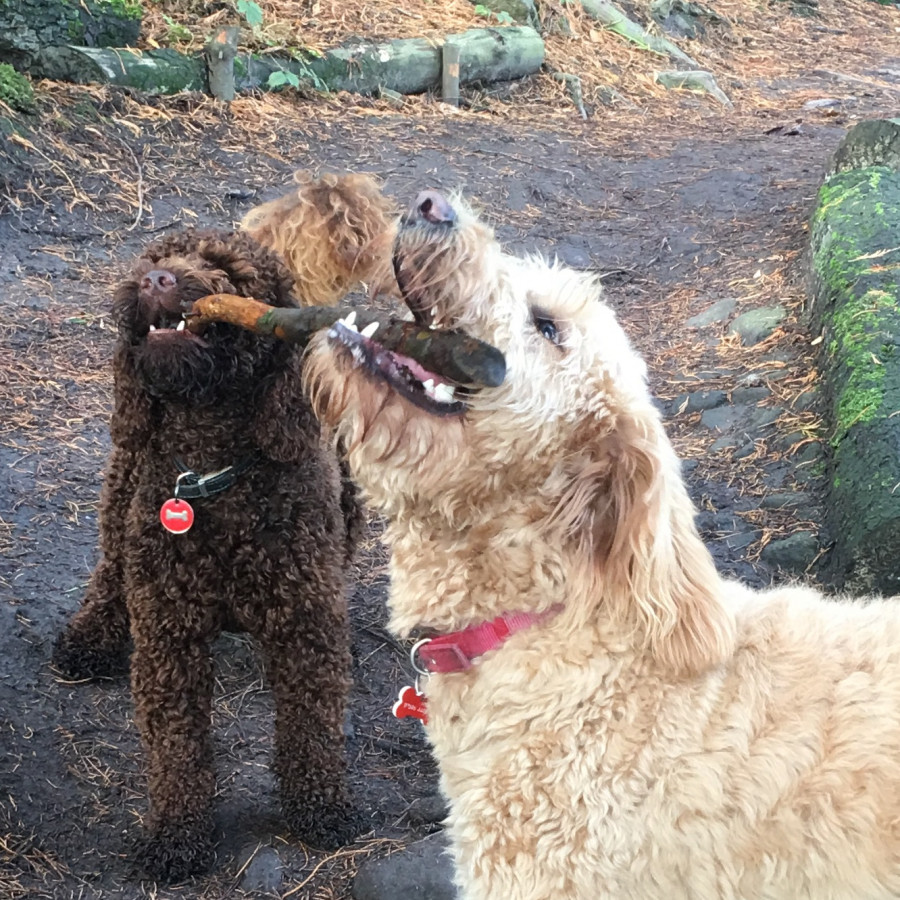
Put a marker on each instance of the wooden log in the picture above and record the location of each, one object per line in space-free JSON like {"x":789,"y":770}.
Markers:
{"x":28,"y":26}
{"x":409,"y":66}
{"x":154,"y":71}
{"x":406,"y":66}
{"x":220,"y":53}
{"x":855,"y":254}
{"x":450,"y":354}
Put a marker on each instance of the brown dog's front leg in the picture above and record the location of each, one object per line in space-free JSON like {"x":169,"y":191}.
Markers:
{"x":172,"y":685}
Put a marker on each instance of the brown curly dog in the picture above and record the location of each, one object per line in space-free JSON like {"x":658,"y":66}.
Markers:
{"x":334,"y":233}
{"x":266,"y":553}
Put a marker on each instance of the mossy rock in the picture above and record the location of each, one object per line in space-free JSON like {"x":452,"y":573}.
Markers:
{"x":855,"y":243}
{"x":30,"y":27}
{"x":15,"y":89}
{"x":875,"y":142}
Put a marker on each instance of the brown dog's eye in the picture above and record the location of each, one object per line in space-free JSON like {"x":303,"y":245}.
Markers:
{"x":547,"y":327}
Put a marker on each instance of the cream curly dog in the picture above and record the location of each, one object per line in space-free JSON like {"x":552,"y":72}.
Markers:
{"x":646,"y":730}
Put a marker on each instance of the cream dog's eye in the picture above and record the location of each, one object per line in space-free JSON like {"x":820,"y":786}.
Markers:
{"x":547,"y":327}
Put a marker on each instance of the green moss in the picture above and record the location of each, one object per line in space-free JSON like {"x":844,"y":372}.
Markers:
{"x":857,"y":330}
{"x":127,"y":9}
{"x":76,"y":31}
{"x":15,"y":89}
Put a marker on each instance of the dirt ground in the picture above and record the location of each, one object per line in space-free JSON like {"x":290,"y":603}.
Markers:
{"x":674,"y":217}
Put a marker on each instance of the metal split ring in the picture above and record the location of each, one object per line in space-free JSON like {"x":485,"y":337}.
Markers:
{"x":413,"y":653}
{"x":187,"y":474}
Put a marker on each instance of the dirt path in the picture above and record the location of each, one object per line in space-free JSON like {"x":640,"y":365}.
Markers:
{"x":674,"y":223}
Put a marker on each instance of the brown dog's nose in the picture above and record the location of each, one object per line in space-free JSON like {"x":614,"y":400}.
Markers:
{"x":159,"y":281}
{"x":433,"y":207}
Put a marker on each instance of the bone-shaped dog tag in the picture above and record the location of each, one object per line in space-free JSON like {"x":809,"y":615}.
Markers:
{"x":176,"y":515}
{"x":410,"y":705}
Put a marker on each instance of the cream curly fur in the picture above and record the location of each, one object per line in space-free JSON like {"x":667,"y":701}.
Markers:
{"x":670,"y":735}
{"x":334,"y":233}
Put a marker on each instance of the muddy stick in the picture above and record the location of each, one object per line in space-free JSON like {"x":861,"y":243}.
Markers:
{"x":448,"y":353}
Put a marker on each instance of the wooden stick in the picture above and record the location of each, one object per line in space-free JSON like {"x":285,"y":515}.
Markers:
{"x":450,"y":73}
{"x":447,"y":353}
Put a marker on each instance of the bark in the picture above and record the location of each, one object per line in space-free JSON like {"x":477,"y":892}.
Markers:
{"x":29,"y":26}
{"x":410,"y":66}
{"x":855,"y":253}
{"x":220,"y":53}
{"x":451,"y":354}
{"x":153,"y":71}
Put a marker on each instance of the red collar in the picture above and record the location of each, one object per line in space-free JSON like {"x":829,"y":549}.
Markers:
{"x":457,"y":651}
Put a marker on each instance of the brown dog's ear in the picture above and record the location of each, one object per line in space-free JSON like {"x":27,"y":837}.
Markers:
{"x":284,"y":426}
{"x":628,"y":510}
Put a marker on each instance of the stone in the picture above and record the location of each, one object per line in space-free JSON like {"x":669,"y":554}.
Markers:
{"x":718,"y":312}
{"x":792,"y":554}
{"x":429,"y":810}
{"x":763,"y":417}
{"x":689,"y":465}
{"x":722,"y":418}
{"x":728,"y":442}
{"x":745,"y":451}
{"x":698,"y":401}
{"x":756,"y":325}
{"x":749,"y":394}
{"x":804,"y":401}
{"x":823,"y":103}
{"x":785,"y":500}
{"x":787,"y":442}
{"x":421,"y":871}
{"x":263,"y":873}
{"x":742,"y":539}
{"x":809,"y":453}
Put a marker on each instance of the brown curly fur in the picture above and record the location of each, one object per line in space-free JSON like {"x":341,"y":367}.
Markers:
{"x":334,"y":233}
{"x":266,"y":556}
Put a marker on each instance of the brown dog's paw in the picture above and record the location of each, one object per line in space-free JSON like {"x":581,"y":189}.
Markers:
{"x":326,"y":827}
{"x":173,"y":852}
{"x":80,"y":661}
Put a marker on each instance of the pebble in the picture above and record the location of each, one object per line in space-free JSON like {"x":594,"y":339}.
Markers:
{"x":697,"y":401}
{"x":791,"y":554}
{"x":264,"y":872}
{"x":785,"y":500}
{"x":749,"y":394}
{"x":722,"y":418}
{"x":429,"y":810}
{"x":757,"y":324}
{"x":718,"y":312}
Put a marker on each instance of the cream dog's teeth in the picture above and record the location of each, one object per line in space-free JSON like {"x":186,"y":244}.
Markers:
{"x":429,"y":387}
{"x":350,"y":321}
{"x":369,"y":330}
{"x":153,"y":328}
{"x":180,"y":325}
{"x":444,"y":393}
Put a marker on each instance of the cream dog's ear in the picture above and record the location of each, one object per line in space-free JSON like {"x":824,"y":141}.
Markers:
{"x":627,"y":510}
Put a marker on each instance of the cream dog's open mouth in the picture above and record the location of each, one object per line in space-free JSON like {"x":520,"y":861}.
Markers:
{"x":424,"y":389}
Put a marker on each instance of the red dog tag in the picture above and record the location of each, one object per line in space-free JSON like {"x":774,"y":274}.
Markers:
{"x":176,"y":515}
{"x":410,"y":705}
